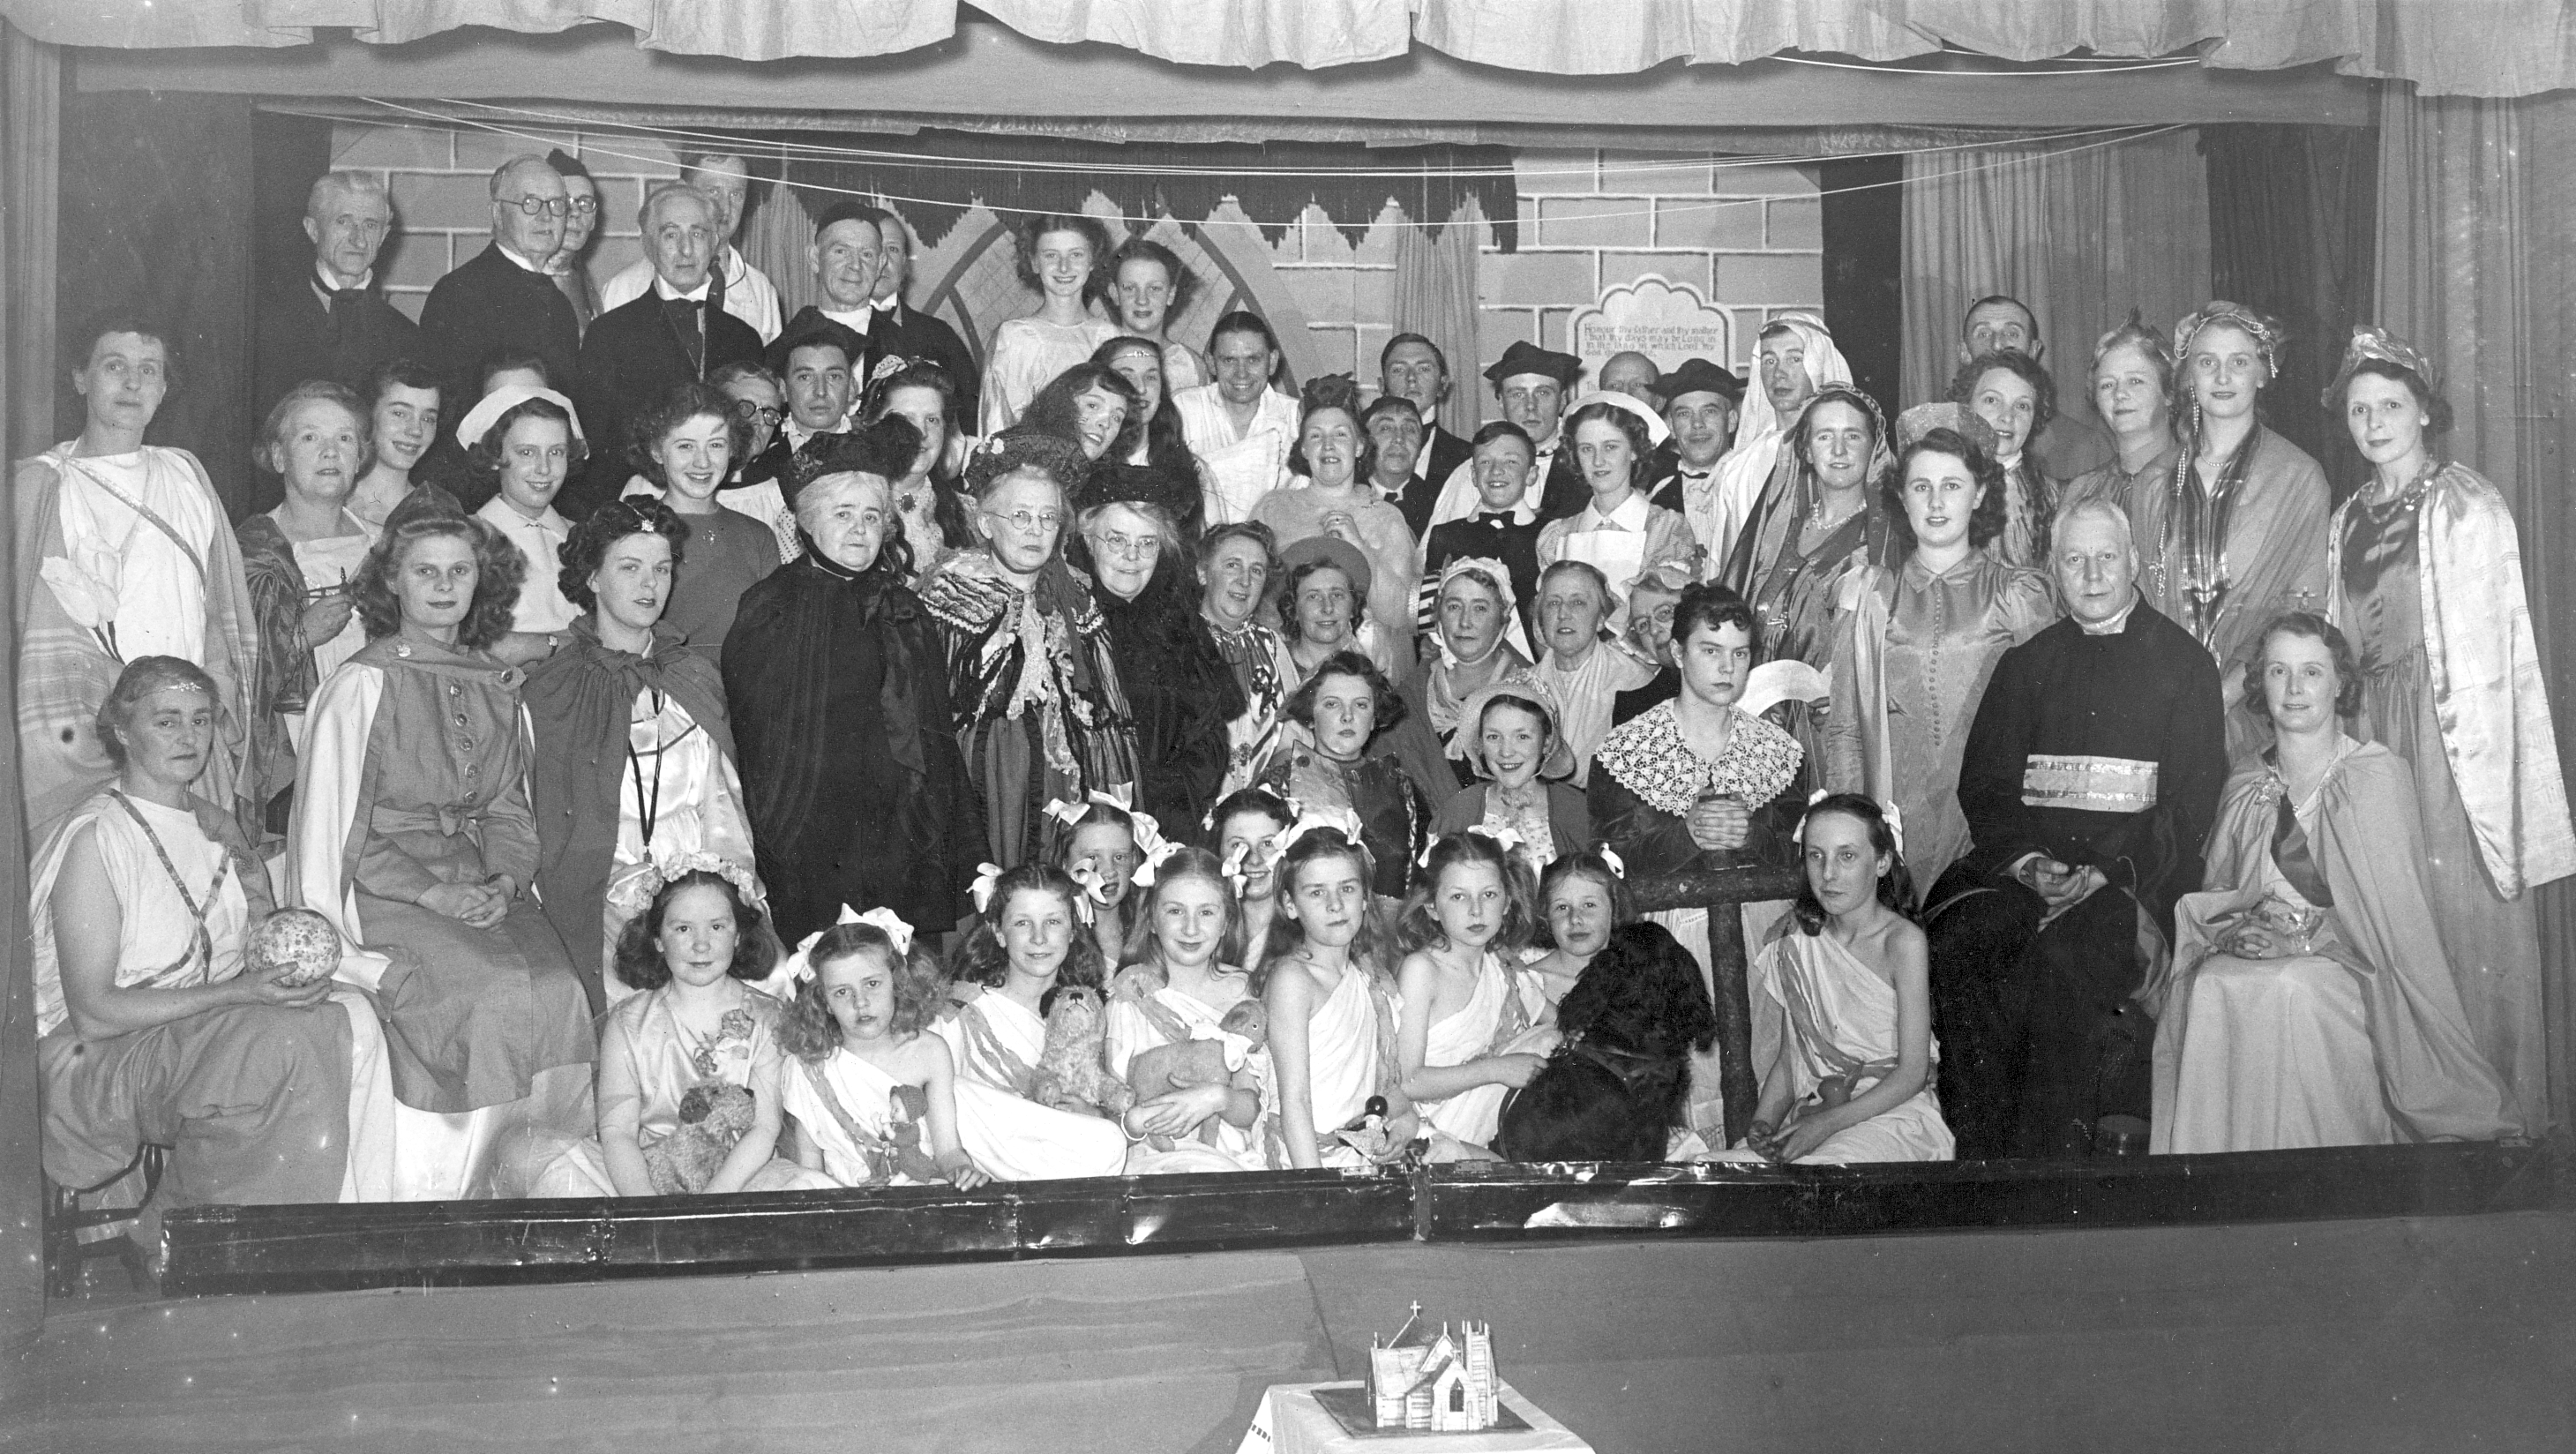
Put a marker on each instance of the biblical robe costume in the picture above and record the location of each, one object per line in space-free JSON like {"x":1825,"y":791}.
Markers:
{"x":997,"y":1043}
{"x":1502,"y":1017}
{"x":1840,"y":1019}
{"x":1181,"y":692}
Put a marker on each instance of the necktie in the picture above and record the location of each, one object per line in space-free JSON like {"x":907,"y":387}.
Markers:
{"x":687,"y":322}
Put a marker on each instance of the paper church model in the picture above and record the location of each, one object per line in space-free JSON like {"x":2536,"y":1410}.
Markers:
{"x":1442,"y":1382}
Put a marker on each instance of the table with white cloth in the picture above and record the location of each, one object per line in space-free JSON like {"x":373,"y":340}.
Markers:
{"x":1290,"y":1421}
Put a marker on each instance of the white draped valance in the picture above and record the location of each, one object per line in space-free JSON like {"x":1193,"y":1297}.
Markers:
{"x":2446,"y":47}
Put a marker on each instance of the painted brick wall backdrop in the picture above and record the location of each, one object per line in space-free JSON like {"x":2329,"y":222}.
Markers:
{"x":1748,"y":236}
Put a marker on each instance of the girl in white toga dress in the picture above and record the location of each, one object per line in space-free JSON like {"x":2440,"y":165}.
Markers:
{"x":865,"y":995}
{"x":1473,"y":1026}
{"x":1331,"y":1005}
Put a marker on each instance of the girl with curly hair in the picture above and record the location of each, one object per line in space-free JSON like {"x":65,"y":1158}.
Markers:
{"x":1918,"y":642}
{"x":1330,"y":494}
{"x":1853,"y":1081}
{"x":413,"y":835}
{"x":684,"y":449}
{"x":526,"y":443}
{"x":875,"y":1097}
{"x":1474,"y":1026}
{"x":1064,"y":258}
{"x":691,"y":1068}
{"x":1030,"y":943}
{"x":1040,"y":711}
{"x":1185,"y":982}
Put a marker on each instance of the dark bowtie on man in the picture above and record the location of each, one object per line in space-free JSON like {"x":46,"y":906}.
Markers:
{"x":328,"y":321}
{"x":501,"y":301}
{"x":902,"y":330}
{"x":1701,"y":402}
{"x":2090,"y":779}
{"x":674,"y":334}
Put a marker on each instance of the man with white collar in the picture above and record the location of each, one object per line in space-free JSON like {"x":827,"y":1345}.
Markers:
{"x":329,"y":321}
{"x":847,"y":255}
{"x":904,"y":330}
{"x":742,"y":290}
{"x":500,"y":300}
{"x":1532,"y":384}
{"x":1413,"y":367}
{"x":817,"y":362}
{"x":636,"y":353}
{"x":1700,"y":402}
{"x":2090,"y":780}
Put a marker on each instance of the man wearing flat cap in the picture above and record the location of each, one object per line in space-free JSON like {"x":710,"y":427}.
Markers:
{"x":1532,"y":384}
{"x":847,"y":254}
{"x":1700,"y":402}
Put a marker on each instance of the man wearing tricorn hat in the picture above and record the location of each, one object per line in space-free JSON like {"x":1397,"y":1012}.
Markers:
{"x":1532,"y":384}
{"x":1700,"y":401}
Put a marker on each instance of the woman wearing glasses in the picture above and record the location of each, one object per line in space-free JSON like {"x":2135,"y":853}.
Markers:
{"x":753,"y":486}
{"x":1180,"y":688}
{"x":1039,"y":709}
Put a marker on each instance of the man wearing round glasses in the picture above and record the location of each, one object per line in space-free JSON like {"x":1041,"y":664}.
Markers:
{"x":331,"y":322}
{"x":500,"y":300}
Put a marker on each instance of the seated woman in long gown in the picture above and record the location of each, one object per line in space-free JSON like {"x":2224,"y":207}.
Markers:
{"x":837,"y":680}
{"x":1472,"y":1024}
{"x":1029,"y":938}
{"x":1032,"y":683}
{"x":150,"y":1030}
{"x":2312,"y":1002}
{"x":694,"y":1031}
{"x":1918,"y":644}
{"x":874,"y":1093}
{"x":634,"y":762}
{"x":1853,"y":1081}
{"x":412,"y":834}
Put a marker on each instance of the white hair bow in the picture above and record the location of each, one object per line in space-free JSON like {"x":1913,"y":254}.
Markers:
{"x":1505,"y":838}
{"x":1618,"y":866}
{"x":1233,"y":868}
{"x":1894,"y":817}
{"x":1095,"y":891}
{"x":987,"y":877}
{"x":1155,"y":857}
{"x":1314,"y":820}
{"x":896,"y":930}
{"x":1067,"y":811}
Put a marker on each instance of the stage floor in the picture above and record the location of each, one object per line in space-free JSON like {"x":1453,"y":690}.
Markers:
{"x":2391,"y":1334}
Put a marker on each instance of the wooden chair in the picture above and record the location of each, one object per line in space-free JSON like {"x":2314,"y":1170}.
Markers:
{"x":66,"y":1249}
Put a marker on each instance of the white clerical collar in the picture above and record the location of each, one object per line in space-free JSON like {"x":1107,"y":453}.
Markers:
{"x":2115,"y":625}
{"x":856,"y":320}
{"x":662,"y":289}
{"x":1630,"y":516}
{"x":322,"y":275}
{"x":515,"y":256}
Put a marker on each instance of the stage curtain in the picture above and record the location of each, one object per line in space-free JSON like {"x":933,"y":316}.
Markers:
{"x":30,"y":137}
{"x":2291,"y":218}
{"x":774,"y":240}
{"x":2512,"y":47}
{"x":2081,"y":234}
{"x":1435,"y":296}
{"x":2477,"y":221}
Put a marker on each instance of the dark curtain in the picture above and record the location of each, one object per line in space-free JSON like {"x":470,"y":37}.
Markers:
{"x":30,"y":131}
{"x":939,"y":174}
{"x":157,"y":192}
{"x":1864,"y":220}
{"x":2292,"y":210}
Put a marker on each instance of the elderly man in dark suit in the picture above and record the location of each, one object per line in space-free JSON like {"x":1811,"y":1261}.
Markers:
{"x":500,"y":301}
{"x":329,"y":321}
{"x":639,"y":351}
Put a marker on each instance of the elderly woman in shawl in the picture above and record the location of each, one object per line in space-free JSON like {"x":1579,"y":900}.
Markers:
{"x":121,"y":553}
{"x":2313,"y":1003}
{"x":152,"y":1028}
{"x":838,"y":681}
{"x":634,"y":762}
{"x":2427,"y":578}
{"x":2244,"y":534}
{"x":1479,"y":643}
{"x":1031,"y":679}
{"x":413,"y":835}
{"x":1795,"y":358}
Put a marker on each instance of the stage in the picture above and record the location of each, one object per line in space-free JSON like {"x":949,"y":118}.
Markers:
{"x":2387,"y":1332}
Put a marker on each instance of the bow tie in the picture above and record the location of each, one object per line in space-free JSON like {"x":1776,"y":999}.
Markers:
{"x":683,"y":307}
{"x":1497,"y":518}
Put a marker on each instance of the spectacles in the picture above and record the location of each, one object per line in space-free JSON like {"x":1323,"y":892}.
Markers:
{"x":534,"y":206}
{"x":1029,"y":522}
{"x":1114,"y":543}
{"x":751,"y":413}
{"x":584,"y":206}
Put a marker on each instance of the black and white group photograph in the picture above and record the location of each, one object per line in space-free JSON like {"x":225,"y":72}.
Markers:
{"x":1287,"y":726}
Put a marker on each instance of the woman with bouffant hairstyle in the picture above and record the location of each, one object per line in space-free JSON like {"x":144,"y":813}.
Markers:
{"x":413,"y":835}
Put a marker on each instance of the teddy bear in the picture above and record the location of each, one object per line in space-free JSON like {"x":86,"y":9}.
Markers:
{"x":904,"y":1157}
{"x":713,"y":1116}
{"x":1071,"y":1072}
{"x":1182,"y":1065}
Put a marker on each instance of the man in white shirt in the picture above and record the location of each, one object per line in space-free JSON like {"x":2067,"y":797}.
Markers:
{"x":724,"y":179}
{"x":1699,"y":407}
{"x":1239,"y":426}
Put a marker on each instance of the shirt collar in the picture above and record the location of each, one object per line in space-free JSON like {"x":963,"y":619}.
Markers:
{"x":322,"y":279}
{"x":508,"y":516}
{"x":513,"y":255}
{"x":663,"y":290}
{"x":1630,"y":516}
{"x":856,"y":321}
{"x":2116,"y":625}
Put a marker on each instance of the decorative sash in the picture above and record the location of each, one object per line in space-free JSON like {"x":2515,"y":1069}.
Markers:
{"x":199,"y":941}
{"x":64,"y":461}
{"x":2092,"y":784}
{"x":987,"y":1043}
{"x":2297,"y":864}
{"x":875,"y":1150}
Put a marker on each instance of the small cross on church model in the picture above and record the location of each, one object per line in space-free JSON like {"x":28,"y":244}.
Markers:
{"x":1441,"y":1383}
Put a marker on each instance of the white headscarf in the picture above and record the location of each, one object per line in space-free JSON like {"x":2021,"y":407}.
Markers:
{"x":1716,"y":507}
